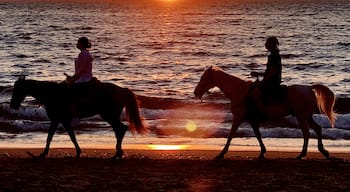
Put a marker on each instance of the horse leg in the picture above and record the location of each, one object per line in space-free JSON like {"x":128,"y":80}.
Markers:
{"x":234,"y":128}
{"x":73,"y":138}
{"x":256,"y":130}
{"x":119,"y":132}
{"x":318,"y":130}
{"x":51,"y":133}
{"x":303,"y":125}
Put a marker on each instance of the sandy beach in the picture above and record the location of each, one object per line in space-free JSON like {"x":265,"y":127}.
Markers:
{"x":184,"y":170}
{"x":159,"y":49}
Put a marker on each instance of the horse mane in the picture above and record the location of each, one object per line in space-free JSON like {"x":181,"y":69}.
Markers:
{"x":46,"y":83}
{"x":42,"y":82}
{"x":51,"y":87}
{"x":219,"y":69}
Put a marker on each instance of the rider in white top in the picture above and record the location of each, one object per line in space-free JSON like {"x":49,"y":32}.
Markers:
{"x":83,"y":64}
{"x":82,"y":75}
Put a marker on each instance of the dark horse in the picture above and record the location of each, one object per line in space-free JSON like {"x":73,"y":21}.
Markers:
{"x":108,"y":101}
{"x":302,"y":101}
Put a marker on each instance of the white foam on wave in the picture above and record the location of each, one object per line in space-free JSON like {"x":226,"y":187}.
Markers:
{"x":205,"y":122}
{"x":28,"y":125}
{"x":37,"y":113}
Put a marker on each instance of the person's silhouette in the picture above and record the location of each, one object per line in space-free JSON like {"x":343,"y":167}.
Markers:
{"x":268,"y":90}
{"x":82,"y":75}
{"x":270,"y":85}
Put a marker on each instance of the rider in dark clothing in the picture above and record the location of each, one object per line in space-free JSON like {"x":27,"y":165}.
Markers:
{"x":269,"y":89}
{"x":270,"y":85}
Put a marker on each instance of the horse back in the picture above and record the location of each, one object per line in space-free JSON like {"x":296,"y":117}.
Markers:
{"x":98,"y":92}
{"x":301,"y":99}
{"x":112,"y":93}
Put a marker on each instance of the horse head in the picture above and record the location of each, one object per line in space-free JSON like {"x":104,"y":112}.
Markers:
{"x":18,"y":93}
{"x":206,"y":82}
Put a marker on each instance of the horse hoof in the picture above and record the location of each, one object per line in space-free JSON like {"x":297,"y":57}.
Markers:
{"x":117,"y":158}
{"x":119,"y":155}
{"x":261,"y":157}
{"x":325,"y":154}
{"x":78,"y":155}
{"x":33,"y":156}
{"x":300,"y":157}
{"x":219,"y":157}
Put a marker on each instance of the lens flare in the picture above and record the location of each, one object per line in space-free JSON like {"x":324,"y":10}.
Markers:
{"x":191,"y":126}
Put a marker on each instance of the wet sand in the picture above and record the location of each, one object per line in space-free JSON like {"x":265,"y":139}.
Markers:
{"x":188,"y":170}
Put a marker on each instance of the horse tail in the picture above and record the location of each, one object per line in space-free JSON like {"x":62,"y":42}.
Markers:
{"x":325,"y":101}
{"x":132,"y":113}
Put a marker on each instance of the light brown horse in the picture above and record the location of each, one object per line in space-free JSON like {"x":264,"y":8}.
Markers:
{"x":302,"y":101}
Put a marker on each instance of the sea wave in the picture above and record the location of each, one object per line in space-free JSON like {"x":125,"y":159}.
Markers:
{"x":166,"y":117}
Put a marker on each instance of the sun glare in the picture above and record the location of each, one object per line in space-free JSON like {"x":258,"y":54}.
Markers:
{"x":190,"y":126}
{"x":167,"y":147}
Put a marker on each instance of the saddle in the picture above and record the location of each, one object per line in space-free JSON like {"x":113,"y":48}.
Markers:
{"x":259,"y":98}
{"x":274,"y":95}
{"x":84,"y":92}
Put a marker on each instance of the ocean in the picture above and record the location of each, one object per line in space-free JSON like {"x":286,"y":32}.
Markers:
{"x":159,"y":49}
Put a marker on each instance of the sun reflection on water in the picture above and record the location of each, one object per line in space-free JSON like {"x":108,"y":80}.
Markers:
{"x":167,"y":147}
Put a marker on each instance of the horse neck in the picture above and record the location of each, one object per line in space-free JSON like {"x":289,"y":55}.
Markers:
{"x":42,"y":91}
{"x":233,"y":87}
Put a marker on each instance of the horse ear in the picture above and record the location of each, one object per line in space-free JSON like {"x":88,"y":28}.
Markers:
{"x":208,"y":68}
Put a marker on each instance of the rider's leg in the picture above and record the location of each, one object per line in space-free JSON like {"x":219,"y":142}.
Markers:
{"x":256,"y":104}
{"x":73,"y":106}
